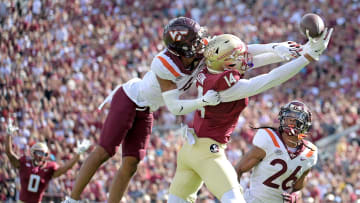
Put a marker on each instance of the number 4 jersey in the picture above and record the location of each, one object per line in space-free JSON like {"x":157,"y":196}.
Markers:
{"x":279,"y":169}
{"x":34,"y":179}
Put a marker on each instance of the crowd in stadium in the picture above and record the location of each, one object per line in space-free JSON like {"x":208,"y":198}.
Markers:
{"x":60,"y":59}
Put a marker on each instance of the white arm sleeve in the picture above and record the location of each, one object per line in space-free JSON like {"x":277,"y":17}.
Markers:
{"x":255,"y":49}
{"x":246,"y":88}
{"x":180,"y":107}
{"x":265,"y":59}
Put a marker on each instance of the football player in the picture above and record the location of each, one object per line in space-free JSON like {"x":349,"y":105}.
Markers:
{"x":202,"y":158}
{"x":280,"y":157}
{"x":130,"y":118}
{"x":35,"y":170}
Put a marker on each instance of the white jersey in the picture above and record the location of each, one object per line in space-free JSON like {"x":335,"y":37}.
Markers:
{"x":147,"y":92}
{"x":276,"y":173}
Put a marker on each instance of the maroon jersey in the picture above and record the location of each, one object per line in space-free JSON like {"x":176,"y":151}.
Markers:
{"x":218,"y":122}
{"x":34,"y":179}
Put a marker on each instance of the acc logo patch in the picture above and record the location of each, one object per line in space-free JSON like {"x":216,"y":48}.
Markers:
{"x":278,"y":152}
{"x":214,"y":148}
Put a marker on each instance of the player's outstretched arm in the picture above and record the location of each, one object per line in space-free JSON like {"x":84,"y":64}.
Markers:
{"x":264,"y":59}
{"x":178,"y":106}
{"x":246,"y":88}
{"x":14,"y":159}
{"x":68,"y":165}
{"x":82,"y":147}
{"x":283,"y":50}
{"x":249,"y":160}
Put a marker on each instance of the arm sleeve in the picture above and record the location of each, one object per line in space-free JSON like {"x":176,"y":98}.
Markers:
{"x":246,"y":88}
{"x":180,"y":107}
{"x":256,"y":49}
{"x":266,"y":59}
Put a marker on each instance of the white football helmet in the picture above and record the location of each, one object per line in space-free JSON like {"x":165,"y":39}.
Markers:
{"x":39,"y":153}
{"x":226,"y":52}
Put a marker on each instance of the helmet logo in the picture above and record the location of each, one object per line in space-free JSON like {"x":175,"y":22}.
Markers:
{"x":214,"y":148}
{"x":177,"y":35}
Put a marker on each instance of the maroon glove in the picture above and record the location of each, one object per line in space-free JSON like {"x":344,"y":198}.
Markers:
{"x":290,"y":197}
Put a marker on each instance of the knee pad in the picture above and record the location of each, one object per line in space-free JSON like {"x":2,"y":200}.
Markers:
{"x":176,"y":199}
{"x":233,"y":196}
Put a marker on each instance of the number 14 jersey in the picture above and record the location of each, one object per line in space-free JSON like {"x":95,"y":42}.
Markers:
{"x":218,"y":122}
{"x":276,"y":173}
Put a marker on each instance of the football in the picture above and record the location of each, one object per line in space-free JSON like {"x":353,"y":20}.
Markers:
{"x":313,"y":23}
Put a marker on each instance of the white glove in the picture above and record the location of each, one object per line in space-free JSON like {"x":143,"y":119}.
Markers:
{"x":82,"y":146}
{"x":287,"y":50}
{"x":211,"y":98}
{"x":10,"y":128}
{"x":316,"y":46}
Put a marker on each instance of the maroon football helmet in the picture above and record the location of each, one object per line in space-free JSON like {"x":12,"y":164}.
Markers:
{"x":184,"y":37}
{"x":299,"y":111}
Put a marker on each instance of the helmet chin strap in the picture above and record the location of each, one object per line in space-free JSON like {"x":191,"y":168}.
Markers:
{"x":297,"y":143}
{"x":214,"y":71}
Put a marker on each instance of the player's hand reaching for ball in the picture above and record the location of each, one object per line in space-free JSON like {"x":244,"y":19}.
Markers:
{"x":315,"y":47}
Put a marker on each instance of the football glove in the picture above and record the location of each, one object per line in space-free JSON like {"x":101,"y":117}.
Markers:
{"x":10,"y":129}
{"x":290,"y":197}
{"x":211,"y":98}
{"x":316,"y":46}
{"x":287,"y":50}
{"x":82,"y":146}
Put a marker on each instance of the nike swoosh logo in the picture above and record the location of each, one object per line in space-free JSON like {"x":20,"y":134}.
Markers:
{"x":204,"y":101}
{"x":181,"y":108}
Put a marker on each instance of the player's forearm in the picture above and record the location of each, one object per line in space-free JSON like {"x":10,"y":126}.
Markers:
{"x":14,"y":160}
{"x":255,"y":49}
{"x":8,"y":147}
{"x":266,"y":59}
{"x":68,"y":165}
{"x":180,"y":107}
{"x":72,"y":162}
{"x":300,"y":183}
{"x":246,"y":88}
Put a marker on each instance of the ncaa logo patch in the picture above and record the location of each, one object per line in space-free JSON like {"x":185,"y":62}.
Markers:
{"x":214,"y":148}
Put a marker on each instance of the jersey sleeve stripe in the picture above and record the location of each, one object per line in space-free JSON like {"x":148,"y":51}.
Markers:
{"x":168,"y":66}
{"x":310,"y":153}
{"x":272,"y":138}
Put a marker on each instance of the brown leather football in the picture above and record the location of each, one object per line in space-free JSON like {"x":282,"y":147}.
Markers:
{"x":313,"y":23}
